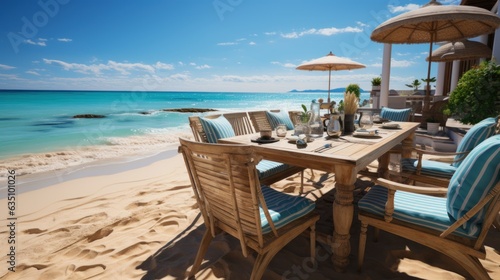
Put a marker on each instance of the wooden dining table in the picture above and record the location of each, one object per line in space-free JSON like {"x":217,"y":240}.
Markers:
{"x":345,"y":156}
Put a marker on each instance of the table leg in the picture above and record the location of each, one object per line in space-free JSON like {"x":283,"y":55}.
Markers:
{"x":343,"y":211}
{"x":408,"y":145}
{"x":383,"y":165}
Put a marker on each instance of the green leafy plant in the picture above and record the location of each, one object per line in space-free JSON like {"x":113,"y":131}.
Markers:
{"x":354,"y":88}
{"x":415,"y":84}
{"x":477,"y":95}
{"x":377,"y":81}
{"x":304,"y":116}
{"x":340,"y":108}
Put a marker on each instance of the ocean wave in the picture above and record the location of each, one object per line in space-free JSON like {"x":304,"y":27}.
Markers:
{"x":136,"y":146}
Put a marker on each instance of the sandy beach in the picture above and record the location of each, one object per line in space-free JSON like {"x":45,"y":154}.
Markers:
{"x":143,"y":223}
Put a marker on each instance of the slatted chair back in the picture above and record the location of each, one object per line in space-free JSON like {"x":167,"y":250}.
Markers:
{"x":227,"y":187}
{"x":225,"y":181}
{"x":240,"y":122}
{"x":259,"y":120}
{"x":197,"y":129}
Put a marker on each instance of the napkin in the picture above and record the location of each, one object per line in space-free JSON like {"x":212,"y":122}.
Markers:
{"x":363,"y":131}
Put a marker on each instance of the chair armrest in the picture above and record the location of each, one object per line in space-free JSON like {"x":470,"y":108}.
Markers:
{"x":435,"y":153}
{"x":391,"y":185}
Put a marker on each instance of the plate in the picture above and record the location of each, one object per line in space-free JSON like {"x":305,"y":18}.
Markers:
{"x":264,"y":141}
{"x":390,"y":126}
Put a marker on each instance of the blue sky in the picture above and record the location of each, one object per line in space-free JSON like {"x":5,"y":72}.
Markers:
{"x":193,"y":45}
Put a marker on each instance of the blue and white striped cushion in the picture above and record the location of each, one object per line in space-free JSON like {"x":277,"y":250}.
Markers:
{"x":216,"y":129}
{"x":429,"y":167}
{"x":283,"y":208}
{"x":477,"y":134}
{"x":280,"y":117}
{"x":397,"y":115}
{"x":474,"y":178}
{"x":268,"y":168}
{"x":424,"y":210}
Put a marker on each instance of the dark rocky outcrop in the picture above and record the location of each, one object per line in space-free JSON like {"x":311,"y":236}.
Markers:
{"x":189,"y":110}
{"x":88,"y":116}
{"x":145,"y":113}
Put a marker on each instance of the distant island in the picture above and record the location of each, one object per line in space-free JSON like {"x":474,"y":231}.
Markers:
{"x":342,"y":89}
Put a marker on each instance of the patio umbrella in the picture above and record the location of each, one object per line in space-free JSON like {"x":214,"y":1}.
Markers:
{"x":434,"y":22}
{"x":460,"y":50}
{"x":328,"y":63}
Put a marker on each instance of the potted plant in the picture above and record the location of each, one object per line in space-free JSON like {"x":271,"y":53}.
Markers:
{"x":354,"y":88}
{"x":432,"y":125}
{"x":476,"y":96}
{"x":376,"y":82}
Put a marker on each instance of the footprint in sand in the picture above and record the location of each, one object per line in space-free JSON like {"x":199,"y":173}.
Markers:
{"x":91,"y":218}
{"x":103,"y":232}
{"x":85,"y":271}
{"x":34,"y":231}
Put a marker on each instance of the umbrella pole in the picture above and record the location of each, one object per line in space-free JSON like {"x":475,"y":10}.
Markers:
{"x":329,"y":78}
{"x":427,"y":97}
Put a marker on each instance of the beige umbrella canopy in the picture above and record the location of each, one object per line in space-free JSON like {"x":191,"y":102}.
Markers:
{"x":461,"y":50}
{"x":328,"y":63}
{"x":434,"y":22}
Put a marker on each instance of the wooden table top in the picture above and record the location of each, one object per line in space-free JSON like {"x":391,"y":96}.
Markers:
{"x":346,"y":150}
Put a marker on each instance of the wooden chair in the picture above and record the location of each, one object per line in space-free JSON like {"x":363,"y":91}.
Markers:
{"x":455,"y":225}
{"x":270,"y":171}
{"x":439,"y":173}
{"x":259,"y":120}
{"x":231,"y":200}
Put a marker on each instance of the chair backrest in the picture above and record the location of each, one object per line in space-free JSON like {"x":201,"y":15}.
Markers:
{"x":397,"y":115}
{"x":476,"y":134}
{"x":259,"y":120}
{"x":239,"y":122}
{"x":268,"y":120}
{"x":473,"y":180}
{"x":197,"y":129}
{"x":227,"y":187}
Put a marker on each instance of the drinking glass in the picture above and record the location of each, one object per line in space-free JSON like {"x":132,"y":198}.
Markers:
{"x":366,"y":121}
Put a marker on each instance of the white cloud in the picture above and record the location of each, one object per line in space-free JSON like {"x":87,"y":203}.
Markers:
{"x":204,"y":66}
{"x":323,"y":31}
{"x":122,"y":68}
{"x":64,"y":40}
{"x":39,"y":43}
{"x":269,"y":33}
{"x":252,"y":43}
{"x":396,"y":63}
{"x":402,"y":9}
{"x":164,"y":66}
{"x":286,"y":65}
{"x":32,"y":73}
{"x":6,"y":67}
{"x":227,"y":44}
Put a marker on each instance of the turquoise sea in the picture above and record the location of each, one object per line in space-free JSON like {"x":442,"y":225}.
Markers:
{"x":39,"y":132}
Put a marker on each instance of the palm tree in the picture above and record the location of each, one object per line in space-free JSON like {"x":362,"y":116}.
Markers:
{"x":415,"y":84}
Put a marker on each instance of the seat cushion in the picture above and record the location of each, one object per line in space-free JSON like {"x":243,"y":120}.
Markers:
{"x":477,"y":134}
{"x":283,"y":208}
{"x":268,"y":168}
{"x":397,"y":115}
{"x":216,"y":129}
{"x":474,"y":178}
{"x":423,"y":210}
{"x":429,"y":167}
{"x":280,"y":117}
